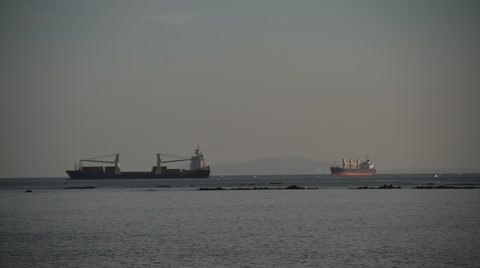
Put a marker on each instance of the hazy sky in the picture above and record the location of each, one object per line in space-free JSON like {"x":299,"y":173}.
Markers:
{"x":397,"y":80}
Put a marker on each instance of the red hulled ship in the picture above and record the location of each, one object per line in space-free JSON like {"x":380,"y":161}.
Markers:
{"x":354,"y":168}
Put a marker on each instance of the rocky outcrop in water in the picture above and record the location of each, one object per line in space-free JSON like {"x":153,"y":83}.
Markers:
{"x":79,"y":187}
{"x":385,"y":186}
{"x":447,"y":186}
{"x":291,"y":187}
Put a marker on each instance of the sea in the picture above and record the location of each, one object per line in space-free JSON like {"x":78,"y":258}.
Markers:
{"x":171,"y":223}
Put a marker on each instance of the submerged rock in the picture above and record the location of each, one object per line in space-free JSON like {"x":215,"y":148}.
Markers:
{"x":294,"y":187}
{"x":361,"y":187}
{"x":79,"y":187}
{"x":291,"y":187}
{"x":385,"y":186}
{"x":390,"y":186}
{"x":211,"y":189}
{"x":446,"y":186}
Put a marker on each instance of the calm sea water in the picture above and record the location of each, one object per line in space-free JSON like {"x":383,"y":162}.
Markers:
{"x":132,"y":223}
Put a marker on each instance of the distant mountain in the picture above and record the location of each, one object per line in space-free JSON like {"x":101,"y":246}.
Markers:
{"x":430,"y":170}
{"x":273,"y":166}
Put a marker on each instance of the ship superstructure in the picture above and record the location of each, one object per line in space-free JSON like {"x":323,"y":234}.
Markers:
{"x":198,"y":169}
{"x":352,"y":168}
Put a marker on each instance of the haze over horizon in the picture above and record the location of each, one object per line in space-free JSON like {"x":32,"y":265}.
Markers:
{"x":323,"y":80}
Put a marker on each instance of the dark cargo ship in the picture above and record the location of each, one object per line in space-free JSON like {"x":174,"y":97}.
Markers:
{"x":354,"y":168}
{"x":198,"y":169}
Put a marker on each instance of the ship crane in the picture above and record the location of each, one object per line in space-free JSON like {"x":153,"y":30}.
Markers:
{"x":178,"y":160}
{"x":97,"y":161}
{"x":197,"y":155}
{"x":182,"y":158}
{"x":196,"y":162}
{"x":93,"y":159}
{"x":116,"y":162}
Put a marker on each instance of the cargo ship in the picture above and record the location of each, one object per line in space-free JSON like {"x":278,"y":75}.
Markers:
{"x":354,"y":168}
{"x":198,"y":169}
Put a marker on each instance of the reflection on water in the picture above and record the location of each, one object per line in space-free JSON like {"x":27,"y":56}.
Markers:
{"x":119,"y":224}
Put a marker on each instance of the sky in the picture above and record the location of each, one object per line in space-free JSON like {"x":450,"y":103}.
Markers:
{"x":324,"y":80}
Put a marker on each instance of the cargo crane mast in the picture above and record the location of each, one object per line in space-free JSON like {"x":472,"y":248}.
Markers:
{"x":93,"y":159}
{"x":196,"y":161}
{"x":116,"y":162}
{"x":182,"y":158}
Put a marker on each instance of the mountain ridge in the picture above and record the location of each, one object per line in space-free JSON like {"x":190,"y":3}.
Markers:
{"x":273,"y":166}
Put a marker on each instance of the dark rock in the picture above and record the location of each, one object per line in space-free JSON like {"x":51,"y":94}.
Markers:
{"x":390,"y":186}
{"x":211,"y":189}
{"x":385,"y":186}
{"x":79,"y":187}
{"x":445,"y":186}
{"x":294,"y":187}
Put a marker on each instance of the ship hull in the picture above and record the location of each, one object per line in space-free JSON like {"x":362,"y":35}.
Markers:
{"x":337,"y":171}
{"x":176,"y":174}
